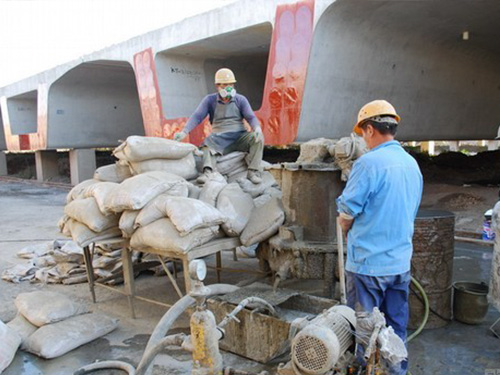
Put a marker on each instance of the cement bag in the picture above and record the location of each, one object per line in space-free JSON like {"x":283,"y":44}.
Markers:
{"x":43,"y":307}
{"x":237,"y":206}
{"x":101,"y":191}
{"x":264,"y":222}
{"x":189,"y":214}
{"x":87,"y":212}
{"x":77,"y":191}
{"x":154,"y":210}
{"x":9,"y":342}
{"x":193,"y":191}
{"x":83,"y":236}
{"x":257,"y":189}
{"x":22,"y":327}
{"x":211,"y":189}
{"x":162,"y":235}
{"x":230,"y":162}
{"x":266,"y":197}
{"x":315,"y":151}
{"x":112,"y":173}
{"x":137,"y":148}
{"x":54,"y":340}
{"x":185,"y":167}
{"x":134,"y":193}
{"x":37,"y":250}
{"x":127,"y":221}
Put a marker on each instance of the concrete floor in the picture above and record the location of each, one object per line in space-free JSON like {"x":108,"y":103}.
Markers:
{"x":29,"y":214}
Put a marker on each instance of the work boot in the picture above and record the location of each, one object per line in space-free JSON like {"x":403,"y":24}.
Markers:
{"x":254,"y":176}
{"x":204,"y":177}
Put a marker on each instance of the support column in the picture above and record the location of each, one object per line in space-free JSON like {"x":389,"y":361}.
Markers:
{"x":454,"y":146}
{"x":3,"y":164}
{"x":46,"y":165}
{"x":82,"y":165}
{"x":493,"y":145}
{"x":427,"y":147}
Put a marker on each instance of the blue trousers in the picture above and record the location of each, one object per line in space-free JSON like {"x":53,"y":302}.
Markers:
{"x":389,"y":294}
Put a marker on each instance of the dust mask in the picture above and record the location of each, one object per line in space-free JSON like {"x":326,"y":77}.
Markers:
{"x":228,"y":92}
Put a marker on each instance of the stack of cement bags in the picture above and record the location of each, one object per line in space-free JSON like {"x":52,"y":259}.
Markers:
{"x":157,"y":207}
{"x":146,"y":154}
{"x":50,"y":324}
{"x":61,"y":262}
{"x":86,"y":217}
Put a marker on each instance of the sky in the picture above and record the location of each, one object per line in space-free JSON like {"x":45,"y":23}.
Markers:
{"x":36,"y":35}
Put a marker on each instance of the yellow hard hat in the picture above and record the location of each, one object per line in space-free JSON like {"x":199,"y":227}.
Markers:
{"x":372,"y":109}
{"x":224,"y":75}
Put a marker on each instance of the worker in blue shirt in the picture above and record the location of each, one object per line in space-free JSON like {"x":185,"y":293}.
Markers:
{"x":377,"y":210}
{"x":227,"y":110}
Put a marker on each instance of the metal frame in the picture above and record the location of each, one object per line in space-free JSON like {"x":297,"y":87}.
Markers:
{"x":213,"y":247}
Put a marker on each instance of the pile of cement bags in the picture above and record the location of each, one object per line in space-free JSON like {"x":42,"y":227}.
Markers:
{"x":159,"y":204}
{"x":49,"y":325}
{"x":61,"y":262}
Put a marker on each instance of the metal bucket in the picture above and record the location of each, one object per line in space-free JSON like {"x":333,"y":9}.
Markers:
{"x":432,"y":266}
{"x":470,"y":302}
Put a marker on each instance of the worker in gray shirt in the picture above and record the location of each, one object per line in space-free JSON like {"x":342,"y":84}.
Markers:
{"x":226,"y":110}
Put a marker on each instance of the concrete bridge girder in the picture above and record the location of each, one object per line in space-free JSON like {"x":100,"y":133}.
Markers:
{"x":413,"y":54}
{"x":93,"y":105}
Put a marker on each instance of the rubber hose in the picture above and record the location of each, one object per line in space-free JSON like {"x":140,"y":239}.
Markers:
{"x":151,"y":354}
{"x":116,"y":365}
{"x":426,"y":307}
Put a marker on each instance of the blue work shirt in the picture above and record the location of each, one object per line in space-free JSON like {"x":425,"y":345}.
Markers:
{"x":382,"y":195}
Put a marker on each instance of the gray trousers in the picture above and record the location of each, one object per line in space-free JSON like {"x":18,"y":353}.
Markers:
{"x":245,"y":143}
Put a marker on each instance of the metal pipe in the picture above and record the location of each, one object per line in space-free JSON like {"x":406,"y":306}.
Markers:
{"x":242,"y":305}
{"x":340,"y":248}
{"x":474,"y":240}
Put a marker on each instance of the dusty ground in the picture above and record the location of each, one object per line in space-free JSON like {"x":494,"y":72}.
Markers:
{"x":29,"y":213}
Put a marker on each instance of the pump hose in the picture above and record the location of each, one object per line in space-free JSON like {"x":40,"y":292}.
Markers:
{"x":426,"y":313}
{"x":426,"y":307}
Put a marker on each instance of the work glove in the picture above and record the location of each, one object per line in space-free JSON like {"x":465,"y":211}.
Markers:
{"x":180,"y":136}
{"x":259,"y":136}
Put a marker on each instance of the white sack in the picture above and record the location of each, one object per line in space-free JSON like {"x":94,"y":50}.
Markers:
{"x":193,"y":191}
{"x":162,"y":235}
{"x":127,"y":221}
{"x":43,"y":307}
{"x":237,"y":206}
{"x":185,"y":167}
{"x":189,"y":214}
{"x":19,"y":272}
{"x":264,"y":222}
{"x":77,"y":191}
{"x":36,"y":250}
{"x":137,"y":148}
{"x":267,"y":195}
{"x":101,"y":192}
{"x":257,"y":189}
{"x":22,"y":327}
{"x":112,"y":173}
{"x":9,"y":342}
{"x":87,"y":212}
{"x":211,"y":189}
{"x":135,"y":192}
{"x":83,"y":236}
{"x":231,"y":162}
{"x":54,"y":340}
